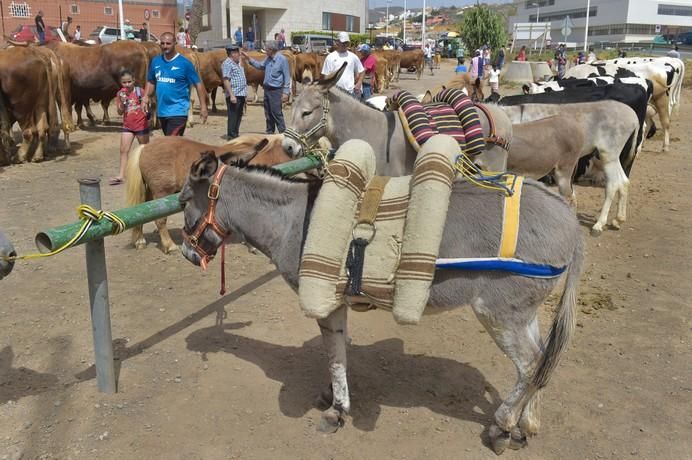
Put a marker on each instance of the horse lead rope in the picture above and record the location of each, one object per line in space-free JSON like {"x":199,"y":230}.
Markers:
{"x":89,"y":215}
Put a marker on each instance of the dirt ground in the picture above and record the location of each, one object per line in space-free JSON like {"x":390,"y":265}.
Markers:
{"x":208,"y":377}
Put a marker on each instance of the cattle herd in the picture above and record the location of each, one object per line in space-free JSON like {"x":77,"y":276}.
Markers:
{"x":40,"y":84}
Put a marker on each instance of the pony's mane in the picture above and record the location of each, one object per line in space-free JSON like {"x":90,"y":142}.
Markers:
{"x":268,"y":171}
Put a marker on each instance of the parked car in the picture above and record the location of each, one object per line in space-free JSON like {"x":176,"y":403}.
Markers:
{"x":312,"y":43}
{"x":27,"y":33}
{"x":108,"y":34}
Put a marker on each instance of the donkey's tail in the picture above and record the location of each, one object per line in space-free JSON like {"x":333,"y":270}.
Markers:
{"x":565,"y":320}
{"x":135,"y":192}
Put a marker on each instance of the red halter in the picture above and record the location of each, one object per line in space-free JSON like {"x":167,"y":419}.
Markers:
{"x":208,"y":220}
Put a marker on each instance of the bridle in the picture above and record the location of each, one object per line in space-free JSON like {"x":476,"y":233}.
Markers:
{"x":304,"y":139}
{"x":492,"y":137}
{"x":195,"y":235}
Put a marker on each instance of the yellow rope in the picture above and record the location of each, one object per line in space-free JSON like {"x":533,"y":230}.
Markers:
{"x":491,"y":180}
{"x":89,"y":215}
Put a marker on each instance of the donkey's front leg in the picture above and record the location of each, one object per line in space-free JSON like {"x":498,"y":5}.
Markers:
{"x":334,"y":333}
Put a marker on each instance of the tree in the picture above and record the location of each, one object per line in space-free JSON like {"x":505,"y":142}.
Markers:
{"x":483,"y":26}
{"x":195,"y":25}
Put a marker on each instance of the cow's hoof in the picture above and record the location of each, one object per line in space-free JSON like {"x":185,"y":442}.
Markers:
{"x":499,"y":439}
{"x":596,"y":231}
{"x":615,"y":224}
{"x":331,"y":421}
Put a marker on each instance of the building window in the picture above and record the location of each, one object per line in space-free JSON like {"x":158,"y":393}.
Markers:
{"x":560,"y":15}
{"x":108,"y":10}
{"x":74,"y":8}
{"x":326,"y":21}
{"x":206,"y":12}
{"x":349,"y":24}
{"x":20,"y":10}
{"x":541,"y":3}
{"x":675,"y":10}
{"x":641,"y":29}
{"x":156,"y":14}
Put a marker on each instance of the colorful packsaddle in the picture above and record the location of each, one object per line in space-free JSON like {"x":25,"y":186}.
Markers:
{"x":452,"y":112}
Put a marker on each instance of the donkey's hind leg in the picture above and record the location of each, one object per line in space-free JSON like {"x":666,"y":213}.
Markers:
{"x":616,"y":182}
{"x":511,"y":329}
{"x":334,"y":333}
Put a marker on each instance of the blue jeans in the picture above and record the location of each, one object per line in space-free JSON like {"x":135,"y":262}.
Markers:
{"x":273,"y":113}
{"x":42,"y":37}
{"x":367,"y":91}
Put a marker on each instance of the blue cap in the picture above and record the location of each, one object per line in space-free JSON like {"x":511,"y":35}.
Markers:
{"x":364,"y":48}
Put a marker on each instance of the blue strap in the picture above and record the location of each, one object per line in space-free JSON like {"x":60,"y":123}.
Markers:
{"x":516,"y":266}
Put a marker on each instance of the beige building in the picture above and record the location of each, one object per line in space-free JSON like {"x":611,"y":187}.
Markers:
{"x":268,"y":17}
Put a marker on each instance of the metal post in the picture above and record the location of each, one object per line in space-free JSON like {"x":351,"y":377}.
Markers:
{"x":404,"y":34}
{"x":97,"y":277}
{"x":586,"y":26}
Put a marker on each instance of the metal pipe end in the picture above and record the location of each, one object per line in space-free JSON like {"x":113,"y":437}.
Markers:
{"x":43,"y":243}
{"x":89,"y":181}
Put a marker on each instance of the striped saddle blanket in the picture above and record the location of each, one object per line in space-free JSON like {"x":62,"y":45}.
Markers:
{"x":400,"y":220}
{"x":451,"y":112}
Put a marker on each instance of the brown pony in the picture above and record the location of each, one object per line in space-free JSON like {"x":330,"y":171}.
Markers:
{"x":160,"y":168}
{"x":464,"y":81}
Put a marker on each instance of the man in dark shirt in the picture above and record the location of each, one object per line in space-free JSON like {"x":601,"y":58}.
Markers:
{"x":144,"y":33}
{"x":40,"y":27}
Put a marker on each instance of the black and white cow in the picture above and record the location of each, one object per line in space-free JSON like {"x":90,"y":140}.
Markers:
{"x":675,"y":69}
{"x":657,"y":72}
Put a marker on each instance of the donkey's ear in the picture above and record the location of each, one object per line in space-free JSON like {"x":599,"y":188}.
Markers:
{"x":330,"y":80}
{"x":427,"y":99}
{"x":205,"y":167}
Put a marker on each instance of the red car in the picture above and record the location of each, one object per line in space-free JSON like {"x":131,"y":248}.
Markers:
{"x":25,"y":33}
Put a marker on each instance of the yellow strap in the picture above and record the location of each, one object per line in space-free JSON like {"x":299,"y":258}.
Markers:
{"x":88,"y":215}
{"x":371,"y":199}
{"x":510,"y":220}
{"x":407,"y":130}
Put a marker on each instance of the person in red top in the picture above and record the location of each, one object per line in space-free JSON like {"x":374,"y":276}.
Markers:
{"x":369,"y":61}
{"x":135,"y":120}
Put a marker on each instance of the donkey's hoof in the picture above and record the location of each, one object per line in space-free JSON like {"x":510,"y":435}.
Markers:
{"x":615,"y":224}
{"x":499,"y":439}
{"x":596,"y":231}
{"x":331,"y":421}
{"x":516,"y":439}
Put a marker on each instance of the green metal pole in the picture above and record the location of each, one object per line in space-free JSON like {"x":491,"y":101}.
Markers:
{"x":53,"y":238}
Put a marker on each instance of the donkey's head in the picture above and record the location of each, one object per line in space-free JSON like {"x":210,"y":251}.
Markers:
{"x":203,"y":234}
{"x":310,"y":115}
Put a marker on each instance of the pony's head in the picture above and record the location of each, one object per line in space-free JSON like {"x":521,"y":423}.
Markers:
{"x":310,"y":115}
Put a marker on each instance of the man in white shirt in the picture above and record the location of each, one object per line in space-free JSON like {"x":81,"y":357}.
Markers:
{"x":351,"y":79}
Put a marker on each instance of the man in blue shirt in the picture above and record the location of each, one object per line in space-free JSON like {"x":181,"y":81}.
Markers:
{"x":276,"y":85}
{"x":235,"y":86}
{"x":239,"y":37}
{"x":172,"y":74}
{"x":250,"y":39}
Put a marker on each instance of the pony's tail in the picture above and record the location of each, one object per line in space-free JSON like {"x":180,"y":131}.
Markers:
{"x":564,"y":323}
{"x":135,"y":192}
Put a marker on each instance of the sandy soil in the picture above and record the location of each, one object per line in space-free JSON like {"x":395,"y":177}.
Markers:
{"x":204,"y":377}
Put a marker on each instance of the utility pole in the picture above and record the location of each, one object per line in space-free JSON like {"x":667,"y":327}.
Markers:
{"x":422,"y":35}
{"x":122,"y":20}
{"x":404,"y":36}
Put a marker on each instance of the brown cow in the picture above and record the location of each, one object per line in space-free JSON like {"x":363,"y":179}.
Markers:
{"x":412,"y":59}
{"x":210,"y":72}
{"x":26,"y":93}
{"x":192,"y":56}
{"x":393,"y":58}
{"x":60,"y":82}
{"x":308,"y":67}
{"x":95,"y":71}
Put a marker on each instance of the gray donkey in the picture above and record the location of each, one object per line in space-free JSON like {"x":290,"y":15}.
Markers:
{"x":272,"y":212}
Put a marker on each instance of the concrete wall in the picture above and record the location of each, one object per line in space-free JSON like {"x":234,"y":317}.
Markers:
{"x":272,"y":16}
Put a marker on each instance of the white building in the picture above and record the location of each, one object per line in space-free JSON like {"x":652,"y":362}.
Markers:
{"x":268,"y":17}
{"x":620,"y":21}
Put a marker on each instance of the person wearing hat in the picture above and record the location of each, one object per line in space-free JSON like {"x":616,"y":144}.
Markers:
{"x":351,"y":80}
{"x":235,"y":87}
{"x":276,"y":85}
{"x":369,"y":61}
